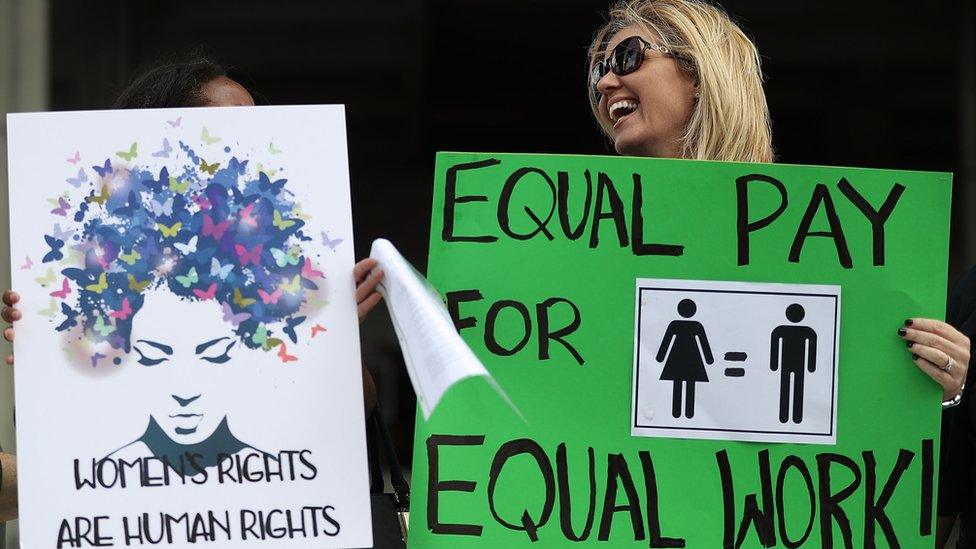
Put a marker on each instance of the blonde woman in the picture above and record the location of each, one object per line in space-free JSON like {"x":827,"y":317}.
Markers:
{"x":679,"y":79}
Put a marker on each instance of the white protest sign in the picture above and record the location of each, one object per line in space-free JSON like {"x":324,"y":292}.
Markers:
{"x":736,"y":361}
{"x":188,"y":366}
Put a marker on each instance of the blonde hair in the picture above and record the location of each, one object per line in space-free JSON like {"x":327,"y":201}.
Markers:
{"x":730,"y":120}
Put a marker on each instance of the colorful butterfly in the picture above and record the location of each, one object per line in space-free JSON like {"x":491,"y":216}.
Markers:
{"x":309,"y":272}
{"x":70,"y":321}
{"x":280,"y":222}
{"x":102,"y":327}
{"x":166,"y":208}
{"x":284,"y":356}
{"x":96,"y":357}
{"x":216,"y":269}
{"x":188,"y":248}
{"x":283,"y":258}
{"x":202,"y":202}
{"x":272,"y":149}
{"x":99,"y":286}
{"x":46,"y":279}
{"x":76,"y":158}
{"x":175,"y":123}
{"x":189,"y":279}
{"x":331,"y":243}
{"x":164,"y":152}
{"x":290,"y":324}
{"x":128,"y":156}
{"x":51,"y":310}
{"x":171,"y":231}
{"x":265,"y":184}
{"x":230,"y":316}
{"x":102,"y":170}
{"x":260,"y":335}
{"x":124,"y":312}
{"x":63,"y":207}
{"x":242,"y":301}
{"x":77,"y":181}
{"x":317,"y":328}
{"x":246,"y":215}
{"x":208,"y":294}
{"x":131,"y":257}
{"x":209,"y":168}
{"x":27,"y":264}
{"x":292,"y":287}
{"x":178,"y":186}
{"x":253,"y":256}
{"x":271,"y":298}
{"x":137,"y":286}
{"x":64,"y":291}
{"x":207,"y":138}
{"x":100,"y":198}
{"x":271,"y":343}
{"x":216,"y":230}
{"x":62,"y":235}
{"x":55,"y":254}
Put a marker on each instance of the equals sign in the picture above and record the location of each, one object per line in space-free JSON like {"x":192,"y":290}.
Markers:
{"x":735,"y":357}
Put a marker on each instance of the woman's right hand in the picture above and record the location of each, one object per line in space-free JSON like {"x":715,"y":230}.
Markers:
{"x":10,"y":314}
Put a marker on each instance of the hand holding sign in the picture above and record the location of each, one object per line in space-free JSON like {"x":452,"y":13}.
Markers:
{"x":939,"y":350}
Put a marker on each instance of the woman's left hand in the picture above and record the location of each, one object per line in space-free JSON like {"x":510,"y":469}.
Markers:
{"x":367,"y":276}
{"x":940,"y":351}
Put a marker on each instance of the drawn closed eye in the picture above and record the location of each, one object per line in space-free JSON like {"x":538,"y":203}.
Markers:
{"x":153,"y":353}
{"x":149,"y":360}
{"x":221,"y":358}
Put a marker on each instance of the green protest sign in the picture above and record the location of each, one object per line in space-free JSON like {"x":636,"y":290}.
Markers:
{"x":705,"y":354}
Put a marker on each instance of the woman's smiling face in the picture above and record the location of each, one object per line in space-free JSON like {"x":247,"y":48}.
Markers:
{"x":647,"y":110}
{"x":184,"y":348}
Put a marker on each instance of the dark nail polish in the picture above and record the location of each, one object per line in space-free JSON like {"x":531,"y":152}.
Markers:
{"x":909,"y":344}
{"x":915,"y":357}
{"x":902,"y":331}
{"x":909,"y":322}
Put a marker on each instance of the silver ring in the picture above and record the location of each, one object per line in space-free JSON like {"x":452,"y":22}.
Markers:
{"x":949,"y":365}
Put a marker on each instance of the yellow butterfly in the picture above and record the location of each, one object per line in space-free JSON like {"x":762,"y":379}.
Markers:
{"x":292,"y":287}
{"x":47,"y":279}
{"x":272,"y":149}
{"x":280,"y":222}
{"x":171,"y":231}
{"x":271,"y":343}
{"x":51,"y":310}
{"x":242,"y":301}
{"x":101,"y":198}
{"x":129,"y":155}
{"x":137,"y":286}
{"x":209,"y":168}
{"x":176,"y":186}
{"x":131,"y":257}
{"x":207,"y":138}
{"x":99,"y":287}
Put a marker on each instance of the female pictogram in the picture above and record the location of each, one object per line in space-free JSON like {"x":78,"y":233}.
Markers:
{"x":684,"y":352}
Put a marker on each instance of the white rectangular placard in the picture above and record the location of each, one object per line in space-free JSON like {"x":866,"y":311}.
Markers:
{"x":736,"y":361}
{"x":188,"y":366}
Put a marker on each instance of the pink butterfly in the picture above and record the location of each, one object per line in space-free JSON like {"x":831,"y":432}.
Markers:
{"x":215,"y":230}
{"x":75,"y":159}
{"x":202,"y":202}
{"x":283,"y":354}
{"x":230,"y":316}
{"x":245,"y":256}
{"x":247,"y":217}
{"x":209,"y":294}
{"x":124,"y":312}
{"x":27,"y":264}
{"x":310,"y":273}
{"x":317,"y":328}
{"x":64,"y":291}
{"x":271,"y":298}
{"x":62,"y":208}
{"x":175,"y":123}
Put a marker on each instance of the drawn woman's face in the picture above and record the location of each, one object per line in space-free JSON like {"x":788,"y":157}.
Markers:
{"x":184,"y":349}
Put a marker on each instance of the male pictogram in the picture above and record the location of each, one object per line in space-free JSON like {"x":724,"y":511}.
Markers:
{"x":684,"y":352}
{"x":793,"y":349}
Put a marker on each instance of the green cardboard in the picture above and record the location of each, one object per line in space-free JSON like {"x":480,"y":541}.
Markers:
{"x":487,"y":252}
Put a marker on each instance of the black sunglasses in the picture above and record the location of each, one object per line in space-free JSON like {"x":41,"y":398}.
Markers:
{"x":625,"y":58}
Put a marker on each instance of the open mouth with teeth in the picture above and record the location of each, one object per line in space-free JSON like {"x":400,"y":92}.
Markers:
{"x":621,"y":109}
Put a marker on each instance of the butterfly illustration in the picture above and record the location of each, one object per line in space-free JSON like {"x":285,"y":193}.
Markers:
{"x":164,"y":152}
{"x":283,"y":258}
{"x":55,"y":254}
{"x":131,"y":257}
{"x":280,"y":222}
{"x":63,"y":207}
{"x":27,"y":264}
{"x":60,"y":234}
{"x":214,"y":229}
{"x":260,"y":335}
{"x":104,"y":169}
{"x":234,"y":318}
{"x":292,"y":287}
{"x":47,"y":278}
{"x":166,"y":208}
{"x":171,"y":231}
{"x":269,"y":299}
{"x":272,"y":149}
{"x":102,"y":327}
{"x":290,"y":324}
{"x":100,"y":198}
{"x":202,"y":202}
{"x":64,"y":291}
{"x":252,"y":256}
{"x":207,"y":138}
{"x":317,"y":329}
{"x":209,"y":168}
{"x":70,"y":321}
{"x":284,"y":356}
{"x":189,"y":279}
{"x":99,"y":286}
{"x":246,"y":215}
{"x":130,"y":207}
{"x":75,"y":159}
{"x":96,"y":357}
{"x":242,"y":301}
{"x":216,"y":269}
{"x":265,"y":184}
{"x":188,"y":248}
{"x":178,"y":186}
{"x":271,"y":343}
{"x":51,"y":310}
{"x":331,"y":243}
{"x":208,"y":294}
{"x":137,"y":286}
{"x":77,"y":181}
{"x":123,"y":312}
{"x":175,"y":123}
{"x":309,"y":272}
{"x":130,"y":155}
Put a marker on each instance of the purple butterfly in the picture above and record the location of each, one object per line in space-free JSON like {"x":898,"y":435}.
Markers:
{"x":63,"y":207}
{"x":77,"y":181}
{"x":106,"y":168}
{"x":234,"y":319}
{"x":164,"y":153}
{"x":62,"y":234}
{"x":331,"y":243}
{"x":95,"y":358}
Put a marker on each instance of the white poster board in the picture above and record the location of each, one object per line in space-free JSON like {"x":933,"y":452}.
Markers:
{"x":188,"y":364}
{"x":736,"y":361}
